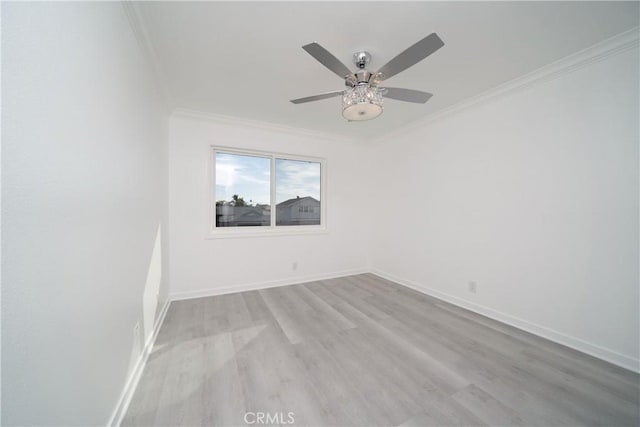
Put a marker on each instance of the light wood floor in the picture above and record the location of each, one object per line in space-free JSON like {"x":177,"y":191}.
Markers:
{"x":361,"y":350}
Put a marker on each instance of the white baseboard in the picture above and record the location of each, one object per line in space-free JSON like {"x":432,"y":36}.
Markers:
{"x":176,"y":296}
{"x":136,"y":372}
{"x":552,"y":335}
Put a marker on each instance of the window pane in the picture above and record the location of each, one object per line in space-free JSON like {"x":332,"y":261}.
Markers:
{"x":297,"y":192}
{"x":243,"y":195}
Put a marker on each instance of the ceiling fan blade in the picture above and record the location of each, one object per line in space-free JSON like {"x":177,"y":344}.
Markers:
{"x":411,"y":56}
{"x":408,"y":95}
{"x":316,"y":97}
{"x":327,"y":59}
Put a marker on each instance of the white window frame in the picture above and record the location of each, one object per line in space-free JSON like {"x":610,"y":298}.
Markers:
{"x":214,"y":232}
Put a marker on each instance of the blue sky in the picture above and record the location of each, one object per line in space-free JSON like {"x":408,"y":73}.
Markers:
{"x":248,"y":177}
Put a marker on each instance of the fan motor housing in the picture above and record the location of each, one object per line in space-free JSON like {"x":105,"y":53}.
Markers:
{"x":360,"y":77}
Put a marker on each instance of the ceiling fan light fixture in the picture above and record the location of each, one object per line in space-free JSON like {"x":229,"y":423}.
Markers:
{"x":362,"y":102}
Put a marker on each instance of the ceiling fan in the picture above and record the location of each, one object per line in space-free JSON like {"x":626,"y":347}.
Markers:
{"x":362,"y":100}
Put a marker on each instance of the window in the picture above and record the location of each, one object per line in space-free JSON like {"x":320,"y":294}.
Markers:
{"x":243,"y":190}
{"x":255,"y":191}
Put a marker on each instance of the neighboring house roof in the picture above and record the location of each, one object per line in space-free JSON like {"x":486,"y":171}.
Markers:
{"x":252,"y":212}
{"x":292,"y":202}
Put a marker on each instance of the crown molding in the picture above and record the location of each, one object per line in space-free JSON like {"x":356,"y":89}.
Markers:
{"x":593,"y":54}
{"x":136,"y":21}
{"x":255,"y":124}
{"x":615,"y":45}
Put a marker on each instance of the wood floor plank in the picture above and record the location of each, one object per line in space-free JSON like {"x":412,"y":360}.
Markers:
{"x":364,"y":351}
{"x":222,"y":397}
{"x":293,"y":307}
{"x":443,"y":411}
{"x":605,"y":406}
{"x":329,"y":317}
{"x":377,"y":395}
{"x":535,"y":409}
{"x":576,"y":368}
{"x":180,"y":400}
{"x":487,"y":408}
{"x":285,"y":314}
{"x":356,"y":298}
{"x":272,"y":377}
{"x":144,"y":404}
{"x":343,"y":403}
{"x":433,"y":369}
{"x":371,"y":286}
{"x":257,"y":308}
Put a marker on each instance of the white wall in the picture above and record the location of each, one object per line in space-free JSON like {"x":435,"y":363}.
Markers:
{"x":535,"y":197}
{"x":84,"y":189}
{"x":201,"y":267}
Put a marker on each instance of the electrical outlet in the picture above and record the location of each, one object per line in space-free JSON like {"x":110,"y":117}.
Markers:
{"x":294,"y":266}
{"x":473,"y":287}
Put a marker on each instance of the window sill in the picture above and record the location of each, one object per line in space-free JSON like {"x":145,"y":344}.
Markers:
{"x":238,"y":233}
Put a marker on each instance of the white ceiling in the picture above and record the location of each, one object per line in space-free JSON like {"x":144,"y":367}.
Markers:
{"x":245,"y":59}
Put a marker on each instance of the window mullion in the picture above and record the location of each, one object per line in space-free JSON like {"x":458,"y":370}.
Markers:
{"x":273,"y":191}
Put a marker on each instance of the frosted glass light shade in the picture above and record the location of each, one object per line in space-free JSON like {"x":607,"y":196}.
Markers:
{"x":361,"y":103}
